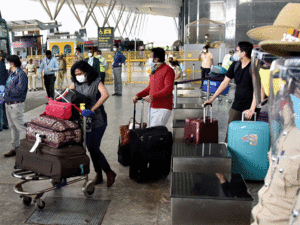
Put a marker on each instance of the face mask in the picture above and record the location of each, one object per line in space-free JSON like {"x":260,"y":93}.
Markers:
{"x":114,"y":49}
{"x":235,"y":57}
{"x":81,"y":78}
{"x":7,"y":66}
{"x":90,"y":55}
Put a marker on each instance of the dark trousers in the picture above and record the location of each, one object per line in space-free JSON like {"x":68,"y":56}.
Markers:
{"x":93,"y":142}
{"x":204,"y":73}
{"x":102,"y":75}
{"x":49,"y":81}
{"x":3,"y":118}
{"x":235,"y":115}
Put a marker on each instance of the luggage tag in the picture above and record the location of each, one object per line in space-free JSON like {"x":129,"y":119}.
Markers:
{"x":38,"y":140}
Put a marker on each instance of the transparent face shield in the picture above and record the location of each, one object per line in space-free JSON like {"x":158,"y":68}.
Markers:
{"x":284,"y":103}
{"x":260,"y":63}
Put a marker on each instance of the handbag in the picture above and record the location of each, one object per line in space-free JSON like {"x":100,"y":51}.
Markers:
{"x":61,"y":110}
{"x":124,"y":131}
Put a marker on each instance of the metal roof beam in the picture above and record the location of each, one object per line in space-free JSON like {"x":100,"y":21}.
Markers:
{"x":132,"y":24}
{"x":103,"y":14}
{"x":137,"y":22}
{"x":74,"y":11}
{"x":142,"y":21}
{"x":90,"y":11}
{"x":109,"y":11}
{"x":62,"y":2}
{"x":127,"y":20}
{"x":117,"y":21}
{"x":93,"y":14}
{"x":46,"y":9}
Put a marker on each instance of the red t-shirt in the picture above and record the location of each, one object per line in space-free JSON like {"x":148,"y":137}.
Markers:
{"x":160,"y":87}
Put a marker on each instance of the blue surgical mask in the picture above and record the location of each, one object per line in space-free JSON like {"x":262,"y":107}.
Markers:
{"x":296,"y":106}
{"x":235,"y":57}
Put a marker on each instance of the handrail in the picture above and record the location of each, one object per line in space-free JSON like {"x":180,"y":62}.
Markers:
{"x":198,"y":79}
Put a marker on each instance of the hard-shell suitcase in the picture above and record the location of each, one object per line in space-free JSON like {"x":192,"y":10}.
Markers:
{"x":214,"y":85}
{"x":124,"y":141}
{"x":248,"y":145}
{"x":202,"y":130}
{"x":151,"y":151}
{"x":53,"y":162}
{"x":57,"y":132}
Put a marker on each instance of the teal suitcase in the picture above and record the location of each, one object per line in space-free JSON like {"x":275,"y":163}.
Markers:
{"x":248,"y":145}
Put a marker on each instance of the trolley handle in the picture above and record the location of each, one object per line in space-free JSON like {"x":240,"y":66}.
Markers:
{"x":204,"y":112}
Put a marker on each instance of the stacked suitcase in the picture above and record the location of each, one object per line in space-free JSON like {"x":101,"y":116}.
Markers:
{"x":59,"y":154}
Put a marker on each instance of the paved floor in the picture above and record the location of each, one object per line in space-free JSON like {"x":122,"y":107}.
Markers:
{"x":131,"y":203}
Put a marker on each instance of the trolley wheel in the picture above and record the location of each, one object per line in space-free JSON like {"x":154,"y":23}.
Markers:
{"x":89,"y":189}
{"x":55,"y":182}
{"x":40,"y":204}
{"x":26,"y":200}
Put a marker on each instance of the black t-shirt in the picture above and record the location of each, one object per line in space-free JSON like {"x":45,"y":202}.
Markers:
{"x":244,"y":86}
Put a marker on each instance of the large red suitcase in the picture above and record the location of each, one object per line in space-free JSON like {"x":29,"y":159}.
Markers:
{"x":57,"y":132}
{"x":53,"y":162}
{"x":201,"y":130}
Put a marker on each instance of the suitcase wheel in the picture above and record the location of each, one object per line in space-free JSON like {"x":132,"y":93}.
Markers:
{"x":88,"y":188}
{"x":40,"y":204}
{"x":26,"y":200}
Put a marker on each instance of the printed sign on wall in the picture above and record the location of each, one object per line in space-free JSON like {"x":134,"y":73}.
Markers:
{"x":105,"y":37}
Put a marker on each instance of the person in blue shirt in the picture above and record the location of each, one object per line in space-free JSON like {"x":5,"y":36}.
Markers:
{"x":50,"y":66}
{"x":15,"y":95}
{"x":119,"y":59}
{"x":3,"y":79}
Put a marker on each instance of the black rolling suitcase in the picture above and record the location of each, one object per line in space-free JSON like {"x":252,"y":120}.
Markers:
{"x":151,"y":150}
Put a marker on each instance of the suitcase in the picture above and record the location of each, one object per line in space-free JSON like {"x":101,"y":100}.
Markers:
{"x":151,"y":151}
{"x":214,"y":85}
{"x":56,"y":163}
{"x":199,"y":130}
{"x":58,"y":132}
{"x":248,"y":145}
{"x":124,"y":141}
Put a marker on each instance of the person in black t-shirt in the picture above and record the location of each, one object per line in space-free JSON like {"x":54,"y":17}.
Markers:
{"x":244,"y":100}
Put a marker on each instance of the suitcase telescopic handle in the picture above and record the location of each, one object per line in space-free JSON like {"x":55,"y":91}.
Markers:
{"x":243,"y":116}
{"x":142,"y":112}
{"x":204,"y":112}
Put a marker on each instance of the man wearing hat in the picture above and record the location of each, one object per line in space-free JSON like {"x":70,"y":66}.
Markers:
{"x":119,"y":59}
{"x":279,"y":198}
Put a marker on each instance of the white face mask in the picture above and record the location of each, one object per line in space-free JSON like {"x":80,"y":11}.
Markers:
{"x":235,"y":57}
{"x":90,"y":55}
{"x":81,"y":78}
{"x":7,"y":66}
{"x":114,"y":49}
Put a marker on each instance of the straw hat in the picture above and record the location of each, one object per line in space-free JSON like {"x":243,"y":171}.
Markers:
{"x":283,"y":37}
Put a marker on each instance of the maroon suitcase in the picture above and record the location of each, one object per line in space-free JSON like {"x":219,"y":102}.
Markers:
{"x":56,"y":163}
{"x":57,"y":132}
{"x":188,"y":130}
{"x":202,"y":130}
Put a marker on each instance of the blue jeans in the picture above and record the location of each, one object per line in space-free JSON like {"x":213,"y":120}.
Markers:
{"x":93,"y":142}
{"x":3,"y":118}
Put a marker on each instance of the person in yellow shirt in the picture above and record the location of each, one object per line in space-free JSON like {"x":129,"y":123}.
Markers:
{"x":103,"y":65}
{"x":31,"y":74}
{"x":207,"y":61}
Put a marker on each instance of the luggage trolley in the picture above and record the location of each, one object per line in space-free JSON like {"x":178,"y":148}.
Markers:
{"x":26,"y":176}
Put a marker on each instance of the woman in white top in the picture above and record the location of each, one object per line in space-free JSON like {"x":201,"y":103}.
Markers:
{"x":174,"y":64}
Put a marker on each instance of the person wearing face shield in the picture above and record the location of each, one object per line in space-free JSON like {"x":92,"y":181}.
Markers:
{"x":159,"y":92}
{"x":93,"y":61}
{"x":50,"y":66}
{"x":240,"y":71}
{"x":87,"y":82}
{"x":119,"y":59}
{"x":3,"y":79}
{"x":279,"y":198}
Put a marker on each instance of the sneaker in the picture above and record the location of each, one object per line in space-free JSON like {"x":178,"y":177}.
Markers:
{"x":114,"y":94}
{"x":119,"y":94}
{"x":34,"y":89}
{"x":111,"y":176}
{"x":10,"y":153}
{"x":30,"y":89}
{"x":5,"y":127}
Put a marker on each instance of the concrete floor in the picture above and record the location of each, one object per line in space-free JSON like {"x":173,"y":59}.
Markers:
{"x":131,"y":203}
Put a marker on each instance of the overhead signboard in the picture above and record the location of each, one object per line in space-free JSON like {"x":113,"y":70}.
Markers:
{"x":105,"y":37}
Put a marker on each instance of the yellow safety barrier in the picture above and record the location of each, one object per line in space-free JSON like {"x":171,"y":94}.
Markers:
{"x":136,"y":63}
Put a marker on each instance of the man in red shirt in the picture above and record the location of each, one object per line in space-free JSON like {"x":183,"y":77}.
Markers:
{"x":160,"y":88}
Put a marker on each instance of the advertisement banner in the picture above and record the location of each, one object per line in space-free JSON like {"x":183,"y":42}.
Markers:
{"x":105,"y":37}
